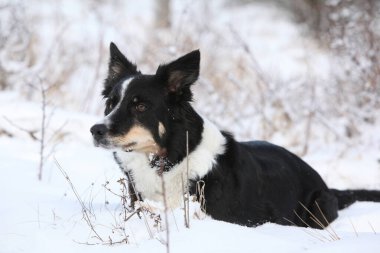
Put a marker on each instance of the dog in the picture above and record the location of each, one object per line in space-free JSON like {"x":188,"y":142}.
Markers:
{"x":158,"y":136}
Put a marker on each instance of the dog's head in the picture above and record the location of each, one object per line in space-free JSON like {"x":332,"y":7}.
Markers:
{"x":140,"y":108}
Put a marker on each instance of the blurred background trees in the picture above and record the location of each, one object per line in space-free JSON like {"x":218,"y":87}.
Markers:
{"x":295,"y":72}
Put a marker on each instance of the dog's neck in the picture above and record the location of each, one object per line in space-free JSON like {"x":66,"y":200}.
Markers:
{"x":200,"y":161}
{"x":160,"y":163}
{"x":186,"y":123}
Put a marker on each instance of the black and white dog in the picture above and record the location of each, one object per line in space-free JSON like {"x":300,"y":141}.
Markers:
{"x":248,"y":183}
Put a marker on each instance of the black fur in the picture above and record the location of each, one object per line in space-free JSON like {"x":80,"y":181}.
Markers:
{"x":256,"y":182}
{"x":167,"y":95}
{"x":119,"y":68}
{"x":251,"y":182}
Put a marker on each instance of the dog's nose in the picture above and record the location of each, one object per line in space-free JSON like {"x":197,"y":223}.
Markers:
{"x":98,"y":131}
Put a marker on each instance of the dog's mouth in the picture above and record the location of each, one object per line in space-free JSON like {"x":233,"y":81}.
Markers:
{"x":106,"y":144}
{"x":129,"y":147}
{"x":137,"y":139}
{"x":103,"y":143}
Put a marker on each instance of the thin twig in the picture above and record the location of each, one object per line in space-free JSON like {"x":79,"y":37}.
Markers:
{"x":175,"y":220}
{"x":327,"y":222}
{"x":130,"y":216}
{"x":374,"y":231}
{"x":200,"y":191}
{"x":139,"y":202}
{"x":187,"y":182}
{"x":86,"y":215}
{"x":307,"y":231}
{"x":352,"y":224}
{"x":318,"y":222}
{"x":31,"y":133}
{"x":304,"y":222}
{"x":107,"y":243}
{"x":167,"y":243}
{"x":57,"y":132}
{"x":184,"y":202}
{"x":43,"y":129}
{"x":136,"y":193}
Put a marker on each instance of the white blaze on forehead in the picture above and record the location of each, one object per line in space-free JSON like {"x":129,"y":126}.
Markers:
{"x":124,"y":87}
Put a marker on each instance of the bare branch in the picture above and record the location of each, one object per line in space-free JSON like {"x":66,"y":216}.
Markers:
{"x":31,"y":133}
{"x":43,"y":129}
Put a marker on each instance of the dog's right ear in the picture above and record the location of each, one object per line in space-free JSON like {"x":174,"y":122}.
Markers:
{"x":180,"y":74}
{"x":119,"y":67}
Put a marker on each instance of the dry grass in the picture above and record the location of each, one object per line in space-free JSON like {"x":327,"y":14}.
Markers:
{"x":117,"y":231}
{"x":327,"y":234}
{"x":354,"y":228}
{"x":185,"y":187}
{"x":373,"y":229}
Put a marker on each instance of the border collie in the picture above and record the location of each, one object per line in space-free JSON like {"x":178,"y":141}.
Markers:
{"x":149,"y":123}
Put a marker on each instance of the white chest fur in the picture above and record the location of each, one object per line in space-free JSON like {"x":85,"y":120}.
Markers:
{"x":201,"y":160}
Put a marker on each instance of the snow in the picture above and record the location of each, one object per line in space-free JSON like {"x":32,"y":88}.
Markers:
{"x":46,"y":216}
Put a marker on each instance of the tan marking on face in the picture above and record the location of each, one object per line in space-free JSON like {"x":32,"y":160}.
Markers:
{"x":161,"y":129}
{"x":138,"y":139}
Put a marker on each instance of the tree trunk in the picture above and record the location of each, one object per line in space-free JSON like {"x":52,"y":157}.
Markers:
{"x":162,"y":14}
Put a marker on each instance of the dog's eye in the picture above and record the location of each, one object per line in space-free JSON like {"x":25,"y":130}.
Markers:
{"x":141,"y":107}
{"x":108,"y":107}
{"x":109,"y":104}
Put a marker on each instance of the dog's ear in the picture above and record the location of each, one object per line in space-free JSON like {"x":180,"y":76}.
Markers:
{"x":119,"y":67}
{"x":181,"y":73}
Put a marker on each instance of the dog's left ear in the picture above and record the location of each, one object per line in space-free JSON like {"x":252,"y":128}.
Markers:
{"x":181,"y":73}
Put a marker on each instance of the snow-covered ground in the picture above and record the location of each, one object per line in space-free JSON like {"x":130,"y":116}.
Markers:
{"x":46,"y":216}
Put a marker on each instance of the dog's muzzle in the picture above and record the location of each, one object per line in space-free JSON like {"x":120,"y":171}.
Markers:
{"x":99,"y":132}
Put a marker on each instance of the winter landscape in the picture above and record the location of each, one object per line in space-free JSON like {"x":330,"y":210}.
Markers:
{"x":300,"y":74}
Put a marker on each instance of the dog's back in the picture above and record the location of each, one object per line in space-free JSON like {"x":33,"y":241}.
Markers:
{"x":255,"y":182}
